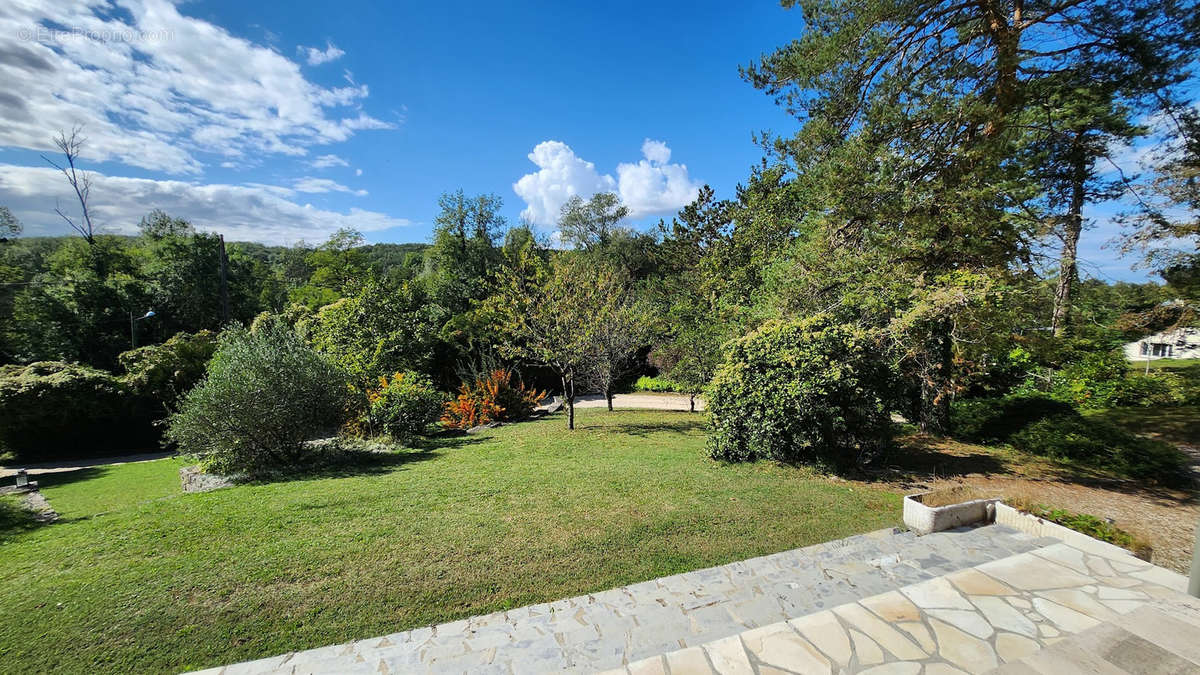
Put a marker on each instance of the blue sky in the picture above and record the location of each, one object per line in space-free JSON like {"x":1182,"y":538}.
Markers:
{"x":283,"y":121}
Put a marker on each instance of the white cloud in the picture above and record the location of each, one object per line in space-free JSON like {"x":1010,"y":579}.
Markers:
{"x":327,"y":161}
{"x":648,"y":187}
{"x":319,"y":185}
{"x":561,"y":174}
{"x":656,"y":151}
{"x":653,"y":186}
{"x":251,"y":212}
{"x":316,"y":57}
{"x":159,"y":90}
{"x":358,"y":172}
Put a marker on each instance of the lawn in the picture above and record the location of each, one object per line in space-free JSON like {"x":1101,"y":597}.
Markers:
{"x":139,"y":577}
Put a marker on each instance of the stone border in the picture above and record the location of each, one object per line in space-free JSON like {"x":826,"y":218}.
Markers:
{"x":1040,"y":527}
{"x":926,"y":519}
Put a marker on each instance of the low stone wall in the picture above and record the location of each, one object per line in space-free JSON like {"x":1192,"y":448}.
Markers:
{"x":924,"y":519}
{"x":1040,"y":527}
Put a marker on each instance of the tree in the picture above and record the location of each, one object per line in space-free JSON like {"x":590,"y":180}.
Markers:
{"x":338,"y":263}
{"x":591,"y":224}
{"x":181,"y":267}
{"x":379,"y":331}
{"x":621,"y":326}
{"x":909,"y":153}
{"x":458,"y":264}
{"x":80,"y":181}
{"x":692,"y":295}
{"x":546,"y":314}
{"x":9,"y":225}
{"x":1165,"y":230}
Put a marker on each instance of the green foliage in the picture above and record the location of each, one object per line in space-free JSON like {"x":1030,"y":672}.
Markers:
{"x":1053,"y":428}
{"x":458,"y":264}
{"x":378,"y":331}
{"x":554,"y":314}
{"x":655,"y":384}
{"x":264,"y":394}
{"x":809,"y":390}
{"x":160,"y":374}
{"x":403,"y":406}
{"x":1091,"y":526}
{"x":1104,"y":380}
{"x":54,"y":410}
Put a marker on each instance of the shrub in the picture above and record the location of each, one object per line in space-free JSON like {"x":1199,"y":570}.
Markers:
{"x":495,"y":397}
{"x":1051,"y":428}
{"x":1103,"y":380}
{"x":160,"y":374}
{"x":54,"y":410}
{"x":658,"y":384}
{"x":404,"y":406}
{"x":808,"y":390}
{"x":264,"y":394}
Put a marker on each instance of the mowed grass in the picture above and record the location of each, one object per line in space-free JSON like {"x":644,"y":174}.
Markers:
{"x":139,"y":577}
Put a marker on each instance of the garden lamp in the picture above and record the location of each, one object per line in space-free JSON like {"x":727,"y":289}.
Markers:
{"x":133,"y":326}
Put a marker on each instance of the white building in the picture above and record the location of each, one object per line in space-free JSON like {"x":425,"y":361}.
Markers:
{"x":1179,"y":343}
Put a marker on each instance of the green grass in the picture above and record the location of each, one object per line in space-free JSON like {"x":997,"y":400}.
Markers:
{"x":139,"y":577}
{"x":1165,"y":364}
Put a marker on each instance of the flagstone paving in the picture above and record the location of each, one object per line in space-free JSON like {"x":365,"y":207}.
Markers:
{"x":1055,"y":610}
{"x":886,"y":602}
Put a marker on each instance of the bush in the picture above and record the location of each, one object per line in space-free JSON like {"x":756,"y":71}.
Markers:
{"x":1103,"y":380}
{"x":809,"y":390}
{"x":404,"y":406}
{"x":495,"y":397}
{"x":1044,"y":426}
{"x":53,"y":410}
{"x":160,"y":374}
{"x":264,"y":394}
{"x":658,"y":384}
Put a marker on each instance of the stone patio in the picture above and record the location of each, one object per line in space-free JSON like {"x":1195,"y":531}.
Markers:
{"x":970,"y":600}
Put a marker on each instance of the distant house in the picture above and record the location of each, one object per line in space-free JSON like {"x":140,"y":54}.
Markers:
{"x":1179,"y":343}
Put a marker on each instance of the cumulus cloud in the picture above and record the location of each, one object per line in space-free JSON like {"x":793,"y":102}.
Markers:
{"x":316,"y":57}
{"x":251,"y":212}
{"x":327,"y":161}
{"x":653,"y":186}
{"x":318,"y":185}
{"x":656,"y":151}
{"x":649,"y":187}
{"x":158,"y":90}
{"x":561,"y":174}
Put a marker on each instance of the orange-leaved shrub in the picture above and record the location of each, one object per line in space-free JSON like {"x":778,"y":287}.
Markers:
{"x":496,"y":397}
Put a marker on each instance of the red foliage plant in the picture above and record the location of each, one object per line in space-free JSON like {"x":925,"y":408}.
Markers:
{"x":493,"y":398}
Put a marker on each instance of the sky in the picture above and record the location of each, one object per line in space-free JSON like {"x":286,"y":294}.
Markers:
{"x":282,"y":122}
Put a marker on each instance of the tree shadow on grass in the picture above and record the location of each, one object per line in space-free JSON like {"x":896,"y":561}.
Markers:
{"x":354,"y":463}
{"x":16,"y":520}
{"x":681,"y":422}
{"x":919,"y":458}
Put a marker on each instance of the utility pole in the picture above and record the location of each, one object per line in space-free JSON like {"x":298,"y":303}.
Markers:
{"x":224,"y":282}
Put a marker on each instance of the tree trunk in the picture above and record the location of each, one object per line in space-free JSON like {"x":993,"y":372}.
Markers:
{"x":692,"y":403}
{"x":1068,"y":273}
{"x":569,"y":394}
{"x":608,"y":396}
{"x":935,"y":380}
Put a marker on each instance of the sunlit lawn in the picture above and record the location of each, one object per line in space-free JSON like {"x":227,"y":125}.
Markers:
{"x":139,"y":577}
